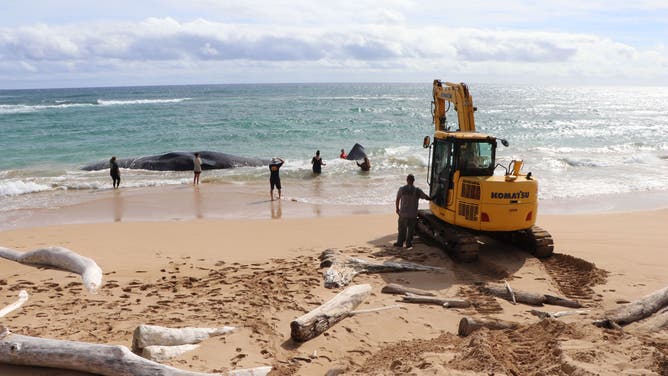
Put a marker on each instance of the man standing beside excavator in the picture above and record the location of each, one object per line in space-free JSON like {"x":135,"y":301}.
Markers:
{"x":408,"y":197}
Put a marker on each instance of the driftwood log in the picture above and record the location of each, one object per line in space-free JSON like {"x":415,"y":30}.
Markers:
{"x":158,"y":343}
{"x":656,"y":322}
{"x":444,"y":302}
{"x":163,"y":353}
{"x":393,"y":288}
{"x":468,"y":325}
{"x":530,"y":298}
{"x":556,"y":315}
{"x":325,"y":316}
{"x":107,"y":360}
{"x":60,"y":258}
{"x":342,"y":269}
{"x":153,"y":335}
{"x":636,"y":310}
{"x":23,"y":297}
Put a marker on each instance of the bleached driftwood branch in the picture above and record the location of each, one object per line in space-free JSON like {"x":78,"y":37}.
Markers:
{"x":257,"y":371}
{"x":511,"y":292}
{"x":556,"y":315}
{"x":342,"y":269}
{"x":325,"y":316}
{"x":531,"y":298}
{"x":159,"y":343}
{"x":444,"y":302}
{"x":162,"y":353}
{"x":636,"y":310}
{"x":372,"y":310}
{"x":393,"y":288}
{"x":153,"y":335}
{"x":107,"y":360}
{"x":468,"y":325}
{"x":61,"y":258}
{"x":23,"y":297}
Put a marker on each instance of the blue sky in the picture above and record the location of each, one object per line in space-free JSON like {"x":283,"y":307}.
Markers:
{"x":70,"y":43}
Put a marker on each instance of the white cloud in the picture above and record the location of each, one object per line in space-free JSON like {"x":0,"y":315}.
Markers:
{"x":165,"y":48}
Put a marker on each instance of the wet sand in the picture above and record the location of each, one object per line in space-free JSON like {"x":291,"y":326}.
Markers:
{"x":258,"y":274}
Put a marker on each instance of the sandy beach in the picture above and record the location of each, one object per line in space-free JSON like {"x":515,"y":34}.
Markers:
{"x":261,"y":272}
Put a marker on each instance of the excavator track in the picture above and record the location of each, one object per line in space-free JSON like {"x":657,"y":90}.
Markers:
{"x":463,"y":245}
{"x":535,"y":240}
{"x":460,"y":243}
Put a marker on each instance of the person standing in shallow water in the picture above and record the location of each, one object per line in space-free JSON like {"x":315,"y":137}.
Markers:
{"x":407,"y":209}
{"x":115,"y":172}
{"x":317,"y":163}
{"x":274,"y":177}
{"x":197,"y":168}
{"x":365,"y":165}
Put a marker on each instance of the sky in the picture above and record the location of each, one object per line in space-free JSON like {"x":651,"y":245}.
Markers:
{"x":83,"y":43}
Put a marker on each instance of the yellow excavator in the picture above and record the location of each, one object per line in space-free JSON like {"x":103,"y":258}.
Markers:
{"x":468,"y":199}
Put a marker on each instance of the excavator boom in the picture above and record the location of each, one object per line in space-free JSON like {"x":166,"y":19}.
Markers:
{"x":459,"y":95}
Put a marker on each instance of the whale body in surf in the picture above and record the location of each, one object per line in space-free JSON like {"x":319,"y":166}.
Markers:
{"x":181,"y":161}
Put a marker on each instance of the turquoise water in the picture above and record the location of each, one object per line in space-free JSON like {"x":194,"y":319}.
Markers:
{"x":579,"y":142}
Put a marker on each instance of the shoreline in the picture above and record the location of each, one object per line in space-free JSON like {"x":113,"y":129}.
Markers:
{"x":242,"y":201}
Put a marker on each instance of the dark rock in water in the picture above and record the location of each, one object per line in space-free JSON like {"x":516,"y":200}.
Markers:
{"x":181,"y":161}
{"x":356,"y":153}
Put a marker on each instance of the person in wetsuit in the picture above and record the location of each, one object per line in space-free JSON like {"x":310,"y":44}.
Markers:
{"x":274,"y":177}
{"x":115,"y":172}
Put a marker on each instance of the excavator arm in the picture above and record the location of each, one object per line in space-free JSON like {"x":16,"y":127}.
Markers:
{"x":458,"y":94}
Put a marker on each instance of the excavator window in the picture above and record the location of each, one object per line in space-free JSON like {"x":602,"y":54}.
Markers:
{"x":441,"y":172}
{"x":475,"y":158}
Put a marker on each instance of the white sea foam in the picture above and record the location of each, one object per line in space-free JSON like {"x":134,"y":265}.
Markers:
{"x":24,"y":108}
{"x":63,"y":104}
{"x":112,"y":102}
{"x":18,"y":187}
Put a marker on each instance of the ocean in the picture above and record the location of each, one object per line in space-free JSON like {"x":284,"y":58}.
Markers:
{"x":581,"y":143}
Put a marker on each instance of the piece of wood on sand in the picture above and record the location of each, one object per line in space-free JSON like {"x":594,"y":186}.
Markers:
{"x":342,"y":269}
{"x":107,"y":360}
{"x":525,"y":297}
{"x":655,"y":323}
{"x":60,"y":258}
{"x":159,"y":343}
{"x":394,"y":288}
{"x":468,"y":325}
{"x":325,"y":316}
{"x":556,"y":315}
{"x":23,"y":297}
{"x":443,"y":302}
{"x":636,"y":310}
{"x":154,"y":335}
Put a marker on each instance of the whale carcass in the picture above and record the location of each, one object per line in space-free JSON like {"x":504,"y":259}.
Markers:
{"x":181,"y":161}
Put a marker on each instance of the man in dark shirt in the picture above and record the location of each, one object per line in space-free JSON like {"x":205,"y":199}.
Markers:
{"x":407,"y":209}
{"x":274,"y":178}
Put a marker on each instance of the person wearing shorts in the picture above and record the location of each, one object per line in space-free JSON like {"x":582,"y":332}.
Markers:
{"x":197,"y":168}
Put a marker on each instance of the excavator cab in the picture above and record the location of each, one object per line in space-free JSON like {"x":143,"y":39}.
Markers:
{"x":467,"y":157}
